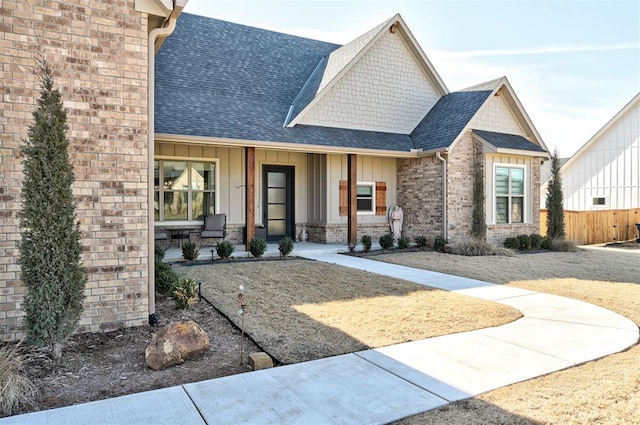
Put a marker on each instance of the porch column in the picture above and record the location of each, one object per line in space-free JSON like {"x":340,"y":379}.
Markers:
{"x":352,"y":199}
{"x":250,"y":194}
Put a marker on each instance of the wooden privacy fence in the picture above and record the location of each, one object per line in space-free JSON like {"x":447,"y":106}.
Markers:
{"x":600,"y":226}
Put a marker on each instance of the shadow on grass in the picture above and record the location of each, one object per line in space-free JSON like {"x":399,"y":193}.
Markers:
{"x":304,"y":310}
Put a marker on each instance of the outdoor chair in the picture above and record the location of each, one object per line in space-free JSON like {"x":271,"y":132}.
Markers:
{"x":161,"y":234}
{"x":215,"y":227}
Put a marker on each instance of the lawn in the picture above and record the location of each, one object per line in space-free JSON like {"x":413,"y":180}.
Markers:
{"x":606,"y":391}
{"x":301,"y":310}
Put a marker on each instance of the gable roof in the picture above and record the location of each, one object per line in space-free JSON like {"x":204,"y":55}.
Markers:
{"x":217,"y":79}
{"x":621,"y":113}
{"x":448,"y":118}
{"x":222,"y":82}
{"x":341,"y":60}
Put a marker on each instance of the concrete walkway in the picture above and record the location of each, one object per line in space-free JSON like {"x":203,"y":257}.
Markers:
{"x":382,"y":385}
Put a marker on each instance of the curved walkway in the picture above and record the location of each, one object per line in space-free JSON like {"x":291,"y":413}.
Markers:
{"x":385,"y":384}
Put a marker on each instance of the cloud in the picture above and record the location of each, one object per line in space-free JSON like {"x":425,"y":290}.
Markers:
{"x":536,"y":50}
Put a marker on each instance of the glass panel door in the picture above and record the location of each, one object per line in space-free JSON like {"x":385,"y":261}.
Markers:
{"x":278,"y":216}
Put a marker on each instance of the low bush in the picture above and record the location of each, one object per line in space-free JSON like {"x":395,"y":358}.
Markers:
{"x":512,"y":243}
{"x":224,"y":249}
{"x":421,"y":242}
{"x":165,"y":277}
{"x":440,"y":244}
{"x":386,"y":241}
{"x":536,"y":240}
{"x":564,"y":245}
{"x":403,"y":243}
{"x":190,"y":251}
{"x":285,"y":246}
{"x":16,"y":390}
{"x":524,"y":242}
{"x":159,"y":252}
{"x":547,"y":243}
{"x":185,"y":293}
{"x":366,"y":243}
{"x":257,"y":247}
{"x":476,"y":248}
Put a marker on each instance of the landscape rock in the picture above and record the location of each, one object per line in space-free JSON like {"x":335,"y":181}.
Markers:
{"x":175,"y":343}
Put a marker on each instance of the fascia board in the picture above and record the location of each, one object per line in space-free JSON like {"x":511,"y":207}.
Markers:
{"x":269,"y":145}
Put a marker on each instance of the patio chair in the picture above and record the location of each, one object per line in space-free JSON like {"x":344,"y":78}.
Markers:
{"x":215,"y":227}
{"x":161,"y":234}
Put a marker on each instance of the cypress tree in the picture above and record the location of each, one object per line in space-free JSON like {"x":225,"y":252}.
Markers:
{"x":50,"y":246}
{"x":555,"y":211}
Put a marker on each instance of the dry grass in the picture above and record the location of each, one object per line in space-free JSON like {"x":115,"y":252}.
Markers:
{"x":606,"y":391}
{"x":602,"y":264}
{"x":16,"y":390}
{"x":302,"y":310}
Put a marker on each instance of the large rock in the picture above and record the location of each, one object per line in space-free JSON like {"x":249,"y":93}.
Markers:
{"x":175,"y":343}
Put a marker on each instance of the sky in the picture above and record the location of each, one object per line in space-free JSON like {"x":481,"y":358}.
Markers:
{"x":573,"y":64}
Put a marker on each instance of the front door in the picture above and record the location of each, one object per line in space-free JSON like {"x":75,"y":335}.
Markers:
{"x":278,"y":212}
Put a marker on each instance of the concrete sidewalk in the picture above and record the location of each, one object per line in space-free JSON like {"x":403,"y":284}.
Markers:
{"x":382,"y":385}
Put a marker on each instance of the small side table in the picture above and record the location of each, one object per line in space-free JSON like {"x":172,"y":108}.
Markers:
{"x":181,"y":235}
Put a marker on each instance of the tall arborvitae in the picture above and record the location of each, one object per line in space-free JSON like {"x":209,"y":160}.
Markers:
{"x":555,"y":211}
{"x":478,"y":222}
{"x":50,"y":246}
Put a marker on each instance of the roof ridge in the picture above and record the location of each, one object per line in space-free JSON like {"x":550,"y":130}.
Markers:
{"x":487,"y":85}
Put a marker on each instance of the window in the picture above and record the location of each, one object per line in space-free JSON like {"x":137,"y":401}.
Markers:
{"x":183,"y":190}
{"x":366,"y":197}
{"x":509,"y":194}
{"x":599,"y":201}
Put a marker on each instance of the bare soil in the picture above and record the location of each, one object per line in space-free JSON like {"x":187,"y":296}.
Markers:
{"x":96,"y":366}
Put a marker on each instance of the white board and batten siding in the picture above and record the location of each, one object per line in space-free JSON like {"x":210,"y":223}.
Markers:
{"x":230,"y":174}
{"x":608,"y":167}
{"x":369,"y":169}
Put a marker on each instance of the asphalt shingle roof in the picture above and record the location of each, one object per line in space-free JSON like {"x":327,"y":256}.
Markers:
{"x":220,"y":79}
{"x":508,"y":141}
{"x":448,"y":117}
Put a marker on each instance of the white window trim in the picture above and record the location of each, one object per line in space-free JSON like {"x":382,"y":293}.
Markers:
{"x":526,"y":214}
{"x":373,"y":197}
{"x":215,"y":161}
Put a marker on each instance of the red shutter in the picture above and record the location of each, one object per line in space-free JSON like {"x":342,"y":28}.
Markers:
{"x":381,"y":198}
{"x":343,"y":197}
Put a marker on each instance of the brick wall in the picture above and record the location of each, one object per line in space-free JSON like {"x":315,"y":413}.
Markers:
{"x":337,"y":233}
{"x":460,"y":189}
{"x":420,"y":196}
{"x":98,"y":50}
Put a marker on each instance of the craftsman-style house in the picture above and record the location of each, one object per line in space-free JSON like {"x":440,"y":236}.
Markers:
{"x":174,"y":116}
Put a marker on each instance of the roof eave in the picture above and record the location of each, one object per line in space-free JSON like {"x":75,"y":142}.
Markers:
{"x":273,"y":145}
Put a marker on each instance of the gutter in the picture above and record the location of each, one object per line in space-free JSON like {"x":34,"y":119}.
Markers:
{"x":158,"y":33}
{"x":445,"y":224}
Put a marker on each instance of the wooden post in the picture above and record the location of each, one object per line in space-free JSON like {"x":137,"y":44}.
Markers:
{"x":250,"y":194}
{"x":352,"y":199}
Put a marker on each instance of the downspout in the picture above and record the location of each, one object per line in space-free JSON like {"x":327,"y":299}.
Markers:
{"x":153,"y":36}
{"x":445,"y":224}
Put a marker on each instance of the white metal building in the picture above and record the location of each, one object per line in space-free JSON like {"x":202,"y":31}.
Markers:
{"x":605,"y":172}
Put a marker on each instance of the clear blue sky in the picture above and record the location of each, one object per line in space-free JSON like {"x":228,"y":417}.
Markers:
{"x":573,"y":64}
